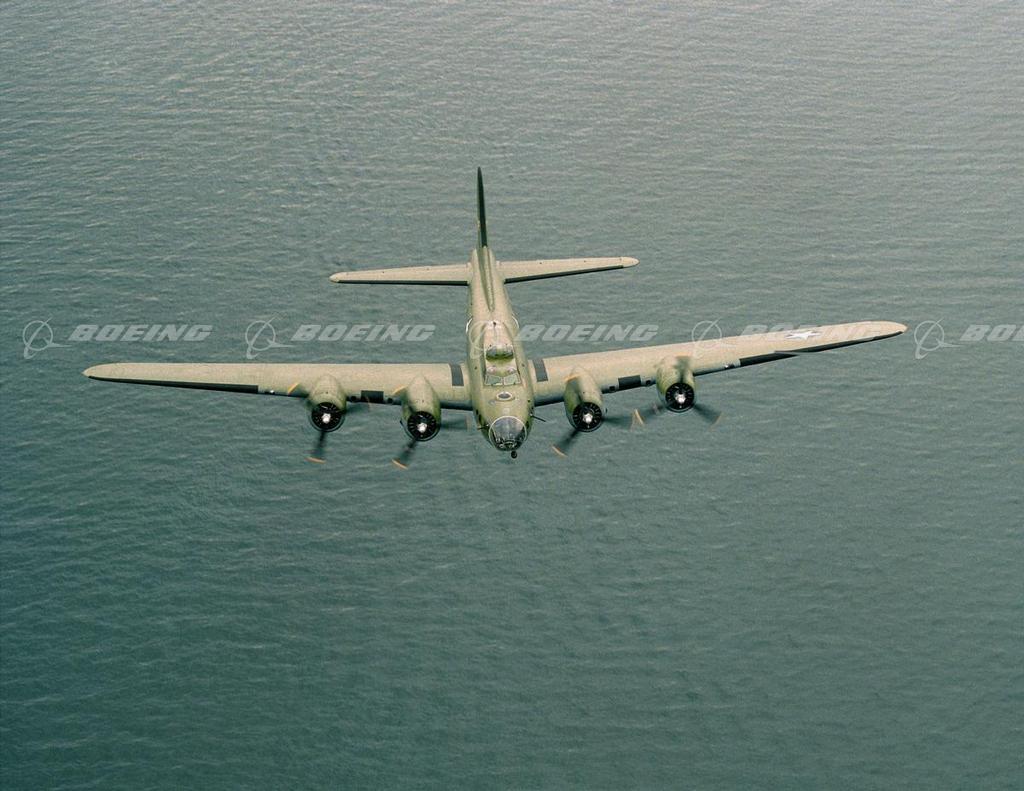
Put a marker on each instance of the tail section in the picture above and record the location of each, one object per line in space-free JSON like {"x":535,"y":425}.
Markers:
{"x":461,"y":274}
{"x":481,"y":214}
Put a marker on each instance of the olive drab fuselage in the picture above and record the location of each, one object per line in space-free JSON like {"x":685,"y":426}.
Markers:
{"x":499,"y":375}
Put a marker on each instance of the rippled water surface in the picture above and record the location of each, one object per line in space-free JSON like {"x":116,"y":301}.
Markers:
{"x":822,"y":592}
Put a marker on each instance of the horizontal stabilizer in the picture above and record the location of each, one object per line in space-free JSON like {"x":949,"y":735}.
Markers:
{"x":518,"y":271}
{"x":439,"y":275}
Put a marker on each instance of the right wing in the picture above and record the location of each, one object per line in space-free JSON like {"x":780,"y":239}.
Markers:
{"x":377,"y":383}
{"x":518,"y":271}
{"x":624,"y":369}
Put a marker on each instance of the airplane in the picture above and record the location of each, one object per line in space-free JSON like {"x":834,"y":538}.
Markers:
{"x":497,"y":382}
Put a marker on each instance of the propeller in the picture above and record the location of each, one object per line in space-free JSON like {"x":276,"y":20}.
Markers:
{"x":317,"y":456}
{"x":404,"y":457}
{"x":643,"y":414}
{"x":564,"y":445}
{"x":709,"y":413}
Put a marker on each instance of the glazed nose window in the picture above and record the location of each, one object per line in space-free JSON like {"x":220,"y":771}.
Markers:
{"x":508,"y":433}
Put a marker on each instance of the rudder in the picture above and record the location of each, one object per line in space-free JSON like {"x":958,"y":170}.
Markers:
{"x":481,"y":214}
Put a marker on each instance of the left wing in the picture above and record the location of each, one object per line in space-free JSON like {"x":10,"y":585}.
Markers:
{"x":435,"y":275}
{"x":624,"y":369}
{"x":378,"y":383}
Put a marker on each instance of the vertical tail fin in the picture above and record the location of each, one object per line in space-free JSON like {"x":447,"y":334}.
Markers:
{"x":481,"y":215}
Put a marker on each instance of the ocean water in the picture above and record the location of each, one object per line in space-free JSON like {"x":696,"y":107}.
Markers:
{"x":824,"y":591}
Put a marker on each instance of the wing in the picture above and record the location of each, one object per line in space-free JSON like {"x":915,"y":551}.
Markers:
{"x":624,"y":369}
{"x":374,"y":382}
{"x":436,"y":275}
{"x":518,"y":271}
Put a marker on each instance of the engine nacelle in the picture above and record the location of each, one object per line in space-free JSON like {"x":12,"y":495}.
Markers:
{"x":421,"y":410}
{"x":675,"y":383}
{"x":327,"y":402}
{"x":583,"y":404}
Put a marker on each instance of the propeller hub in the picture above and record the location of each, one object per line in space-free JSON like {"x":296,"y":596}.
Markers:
{"x":679,"y":397}
{"x":422,"y":426}
{"x":587,"y":417}
{"x":326,"y":416}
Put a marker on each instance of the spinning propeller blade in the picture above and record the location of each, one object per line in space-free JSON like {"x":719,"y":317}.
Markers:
{"x":404,"y":457}
{"x":564,"y":445}
{"x":317,"y":456}
{"x":709,"y":413}
{"x":641,"y":415}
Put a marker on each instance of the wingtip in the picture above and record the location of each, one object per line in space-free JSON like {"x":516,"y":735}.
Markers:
{"x":628,"y":261}
{"x":103,"y":373}
{"x":892,"y":328}
{"x":878,"y":328}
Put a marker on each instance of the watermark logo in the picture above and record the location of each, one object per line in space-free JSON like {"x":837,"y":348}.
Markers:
{"x":494,"y":333}
{"x":260,"y":336}
{"x":929,"y":336}
{"x":587,"y":333}
{"x":38,"y":337}
{"x":706,"y":331}
{"x":363,"y":333}
{"x":993,"y":333}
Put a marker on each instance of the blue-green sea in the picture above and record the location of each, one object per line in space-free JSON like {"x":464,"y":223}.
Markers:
{"x":824,"y":591}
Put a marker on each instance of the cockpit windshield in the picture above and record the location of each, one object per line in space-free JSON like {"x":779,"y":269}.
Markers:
{"x":496,"y":376}
{"x":496,"y":380}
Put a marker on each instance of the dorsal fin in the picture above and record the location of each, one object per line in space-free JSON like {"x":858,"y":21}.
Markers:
{"x":481,"y":214}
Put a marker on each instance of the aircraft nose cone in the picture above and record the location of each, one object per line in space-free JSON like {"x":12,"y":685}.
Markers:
{"x":507,"y":433}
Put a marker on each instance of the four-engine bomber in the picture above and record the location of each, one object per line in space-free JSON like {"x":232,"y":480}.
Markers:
{"x":497,"y":382}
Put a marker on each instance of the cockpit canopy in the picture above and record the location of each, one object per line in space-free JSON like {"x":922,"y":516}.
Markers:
{"x":499,"y":355}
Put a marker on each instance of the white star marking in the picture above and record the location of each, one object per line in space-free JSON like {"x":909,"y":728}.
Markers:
{"x":802,"y":335}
